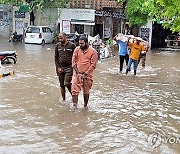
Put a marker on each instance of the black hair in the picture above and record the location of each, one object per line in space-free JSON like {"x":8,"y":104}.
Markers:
{"x":84,"y":38}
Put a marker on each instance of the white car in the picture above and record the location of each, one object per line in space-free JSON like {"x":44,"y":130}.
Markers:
{"x":38,"y":35}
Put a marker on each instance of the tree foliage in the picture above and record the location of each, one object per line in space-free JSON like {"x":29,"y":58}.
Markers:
{"x":11,"y":2}
{"x":169,"y":12}
{"x":37,"y":4}
{"x":139,"y":11}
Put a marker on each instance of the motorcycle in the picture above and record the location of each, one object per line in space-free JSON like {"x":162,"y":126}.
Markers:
{"x":16,"y":37}
{"x":8,"y":57}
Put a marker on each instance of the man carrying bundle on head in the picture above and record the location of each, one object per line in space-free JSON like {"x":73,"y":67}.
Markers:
{"x":136,"y":49}
{"x":123,"y":53}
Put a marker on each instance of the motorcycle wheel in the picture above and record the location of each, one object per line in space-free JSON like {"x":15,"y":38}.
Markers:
{"x":10,"y":60}
{"x":15,"y":39}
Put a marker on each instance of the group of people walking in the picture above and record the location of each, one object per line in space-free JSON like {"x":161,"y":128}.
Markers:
{"x":75,"y":64}
{"x":137,"y":52}
{"x":74,"y":67}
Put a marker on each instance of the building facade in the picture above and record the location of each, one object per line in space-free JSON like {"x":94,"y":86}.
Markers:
{"x":77,"y":20}
{"x":108,"y":16}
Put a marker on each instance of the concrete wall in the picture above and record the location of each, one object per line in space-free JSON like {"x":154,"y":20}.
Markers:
{"x":6,"y":21}
{"x":49,"y":17}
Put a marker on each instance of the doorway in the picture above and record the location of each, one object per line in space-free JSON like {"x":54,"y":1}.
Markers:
{"x":159,"y":34}
{"x":98,"y":29}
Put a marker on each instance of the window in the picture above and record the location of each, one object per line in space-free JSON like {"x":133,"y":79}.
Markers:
{"x":44,"y":30}
{"x":79,"y":28}
{"x":48,"y":30}
{"x":33,"y":30}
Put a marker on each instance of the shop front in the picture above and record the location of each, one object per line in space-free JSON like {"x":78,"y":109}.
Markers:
{"x":108,"y":23}
{"x":81,"y":21}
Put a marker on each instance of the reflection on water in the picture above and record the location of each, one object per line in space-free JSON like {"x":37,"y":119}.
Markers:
{"x":124,"y":110}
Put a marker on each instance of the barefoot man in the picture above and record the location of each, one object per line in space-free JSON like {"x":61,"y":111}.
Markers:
{"x":83,"y":62}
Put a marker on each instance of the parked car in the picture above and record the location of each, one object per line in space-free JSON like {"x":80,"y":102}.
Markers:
{"x":38,"y":35}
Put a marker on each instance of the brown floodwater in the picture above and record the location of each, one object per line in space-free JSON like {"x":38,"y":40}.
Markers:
{"x":127,"y":114}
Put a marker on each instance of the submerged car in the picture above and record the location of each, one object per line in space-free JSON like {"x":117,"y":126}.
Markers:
{"x":38,"y":35}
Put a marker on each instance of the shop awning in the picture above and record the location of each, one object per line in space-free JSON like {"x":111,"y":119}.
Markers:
{"x":82,"y":22}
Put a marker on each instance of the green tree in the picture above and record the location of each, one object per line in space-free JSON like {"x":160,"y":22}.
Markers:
{"x":139,"y":11}
{"x":38,"y":5}
{"x":11,"y":2}
{"x":169,"y":12}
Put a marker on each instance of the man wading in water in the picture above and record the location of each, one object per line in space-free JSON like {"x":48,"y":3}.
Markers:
{"x":83,"y":62}
{"x":63,"y":61}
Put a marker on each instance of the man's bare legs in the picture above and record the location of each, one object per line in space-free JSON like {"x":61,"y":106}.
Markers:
{"x":75,"y":100}
{"x":69,"y":89}
{"x":86,"y":99}
{"x":63,"y":91}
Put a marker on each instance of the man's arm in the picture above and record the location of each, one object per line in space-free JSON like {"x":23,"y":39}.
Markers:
{"x":74,"y":65}
{"x":73,"y":47}
{"x":58,"y":68}
{"x":76,"y":69}
{"x":74,"y":61}
{"x":114,"y":38}
{"x":56,"y":56}
{"x":93,"y":62}
{"x":128,"y":40}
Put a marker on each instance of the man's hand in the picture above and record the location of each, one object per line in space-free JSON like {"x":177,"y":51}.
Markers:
{"x":80,"y":76}
{"x":59,"y":70}
{"x":114,"y":38}
{"x":84,"y":76}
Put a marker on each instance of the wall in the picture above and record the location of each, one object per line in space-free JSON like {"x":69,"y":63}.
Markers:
{"x":49,"y":17}
{"x":6,"y":21}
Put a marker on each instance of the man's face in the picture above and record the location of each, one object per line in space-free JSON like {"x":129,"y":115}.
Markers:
{"x":62,"y":38}
{"x":82,"y":44}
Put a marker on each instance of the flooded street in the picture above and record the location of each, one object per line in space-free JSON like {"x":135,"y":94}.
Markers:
{"x":127,"y":114}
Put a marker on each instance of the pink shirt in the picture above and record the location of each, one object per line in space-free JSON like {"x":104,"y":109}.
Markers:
{"x":85,"y":61}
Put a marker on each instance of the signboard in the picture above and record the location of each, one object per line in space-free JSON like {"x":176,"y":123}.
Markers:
{"x":107,"y":27}
{"x":78,"y":14}
{"x":102,"y":13}
{"x":19,"y":15}
{"x":66,"y":26}
{"x":145,"y":33}
{"x":107,"y":32}
{"x":82,"y":22}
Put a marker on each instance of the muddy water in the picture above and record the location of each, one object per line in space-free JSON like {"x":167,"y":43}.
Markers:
{"x":126,"y":114}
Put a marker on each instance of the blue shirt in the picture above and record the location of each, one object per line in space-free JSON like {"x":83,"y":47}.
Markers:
{"x":122,"y":48}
